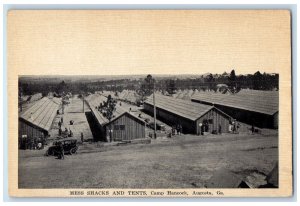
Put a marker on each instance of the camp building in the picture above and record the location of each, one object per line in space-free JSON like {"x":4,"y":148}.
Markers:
{"x":35,"y":122}
{"x":259,"y":108}
{"x":193,"y":117}
{"x":124,"y":126}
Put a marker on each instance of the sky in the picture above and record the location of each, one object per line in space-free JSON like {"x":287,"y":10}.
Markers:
{"x":147,"y":42}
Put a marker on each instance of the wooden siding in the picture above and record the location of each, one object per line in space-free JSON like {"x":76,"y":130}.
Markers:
{"x":33,"y":134}
{"x":188,"y":126}
{"x":218,"y":119}
{"x":248,"y":115}
{"x":30,"y":131}
{"x":133,"y":129}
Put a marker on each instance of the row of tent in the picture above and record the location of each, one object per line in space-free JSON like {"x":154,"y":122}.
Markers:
{"x":129,"y":96}
{"x":31,"y":98}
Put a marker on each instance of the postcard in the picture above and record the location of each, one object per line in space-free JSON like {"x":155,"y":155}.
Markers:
{"x":149,"y":103}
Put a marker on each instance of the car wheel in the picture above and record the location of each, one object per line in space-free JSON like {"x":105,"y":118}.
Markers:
{"x":73,"y":151}
{"x":49,"y":153}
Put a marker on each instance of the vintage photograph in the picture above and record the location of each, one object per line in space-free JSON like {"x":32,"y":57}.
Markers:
{"x":170,"y":103}
{"x":184,"y":131}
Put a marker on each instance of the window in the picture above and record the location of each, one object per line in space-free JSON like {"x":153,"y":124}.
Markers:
{"x":210,"y":121}
{"x":116,"y":127}
{"x":122,"y":127}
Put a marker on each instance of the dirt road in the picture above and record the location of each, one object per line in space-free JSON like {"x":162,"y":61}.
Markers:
{"x":73,"y":111}
{"x":180,"y":162}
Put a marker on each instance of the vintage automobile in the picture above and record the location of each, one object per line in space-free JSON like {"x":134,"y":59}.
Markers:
{"x":69,"y":145}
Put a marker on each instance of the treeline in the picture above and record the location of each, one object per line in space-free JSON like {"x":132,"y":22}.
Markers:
{"x":257,"y":81}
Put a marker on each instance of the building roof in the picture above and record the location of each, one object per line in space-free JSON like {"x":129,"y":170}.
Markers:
{"x":42,"y":113}
{"x":265,"y":102}
{"x":36,"y":97}
{"x":94,"y":101}
{"x":187,"y":109}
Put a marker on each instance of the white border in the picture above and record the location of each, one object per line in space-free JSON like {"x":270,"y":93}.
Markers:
{"x":218,"y":202}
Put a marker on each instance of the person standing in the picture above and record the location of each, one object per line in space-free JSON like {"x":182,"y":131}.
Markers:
{"x":234,"y":127}
{"x":71,"y":133}
{"x":61,"y":148}
{"x":220,"y":129}
{"x":180,"y":129}
{"x":39,"y":146}
{"x":252,"y":129}
{"x":81,"y":137}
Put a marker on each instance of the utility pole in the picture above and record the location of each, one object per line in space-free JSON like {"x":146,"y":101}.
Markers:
{"x":62,"y":106}
{"x":83,"y":103}
{"x":154,"y":107}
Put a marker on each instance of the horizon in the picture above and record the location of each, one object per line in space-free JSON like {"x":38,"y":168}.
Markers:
{"x":125,"y":75}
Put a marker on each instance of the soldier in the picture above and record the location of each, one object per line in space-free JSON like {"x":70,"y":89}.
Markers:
{"x":82,"y":137}
{"x":71,"y":133}
{"x":61,"y":151}
{"x":220,"y":129}
{"x":180,"y":129}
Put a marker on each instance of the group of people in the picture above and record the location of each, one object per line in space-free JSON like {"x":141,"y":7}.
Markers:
{"x":177,"y":129}
{"x":234,"y":127}
{"x":31,"y":143}
{"x":66,"y":133}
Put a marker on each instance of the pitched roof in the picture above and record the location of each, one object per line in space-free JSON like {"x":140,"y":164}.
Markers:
{"x":265,"y":102}
{"x":187,"y":109}
{"x":94,"y":101}
{"x":42,"y":113}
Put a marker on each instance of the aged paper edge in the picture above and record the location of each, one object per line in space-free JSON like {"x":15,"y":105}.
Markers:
{"x":285,"y":151}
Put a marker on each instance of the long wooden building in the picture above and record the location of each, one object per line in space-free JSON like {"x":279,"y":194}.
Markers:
{"x":193,"y":117}
{"x":36,"y":121}
{"x":259,"y":108}
{"x":124,"y":126}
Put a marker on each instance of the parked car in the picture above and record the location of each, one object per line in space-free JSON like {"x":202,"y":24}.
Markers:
{"x":69,"y":145}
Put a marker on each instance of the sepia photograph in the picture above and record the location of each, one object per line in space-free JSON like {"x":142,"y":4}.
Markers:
{"x":210,"y":130}
{"x":149,"y":103}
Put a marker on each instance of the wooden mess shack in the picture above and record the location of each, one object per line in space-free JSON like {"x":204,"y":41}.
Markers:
{"x":124,"y":126}
{"x":193,"y":117}
{"x":36,"y":121}
{"x":259,"y":108}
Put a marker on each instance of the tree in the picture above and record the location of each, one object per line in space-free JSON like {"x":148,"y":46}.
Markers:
{"x":257,"y":80}
{"x":61,"y":88}
{"x":146,"y":88}
{"x":110,"y":107}
{"x":210,"y":80}
{"x":233,"y":85}
{"x":171,"y":87}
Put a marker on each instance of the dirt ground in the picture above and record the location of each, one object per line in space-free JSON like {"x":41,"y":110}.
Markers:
{"x":185,"y":161}
{"x":73,"y":111}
